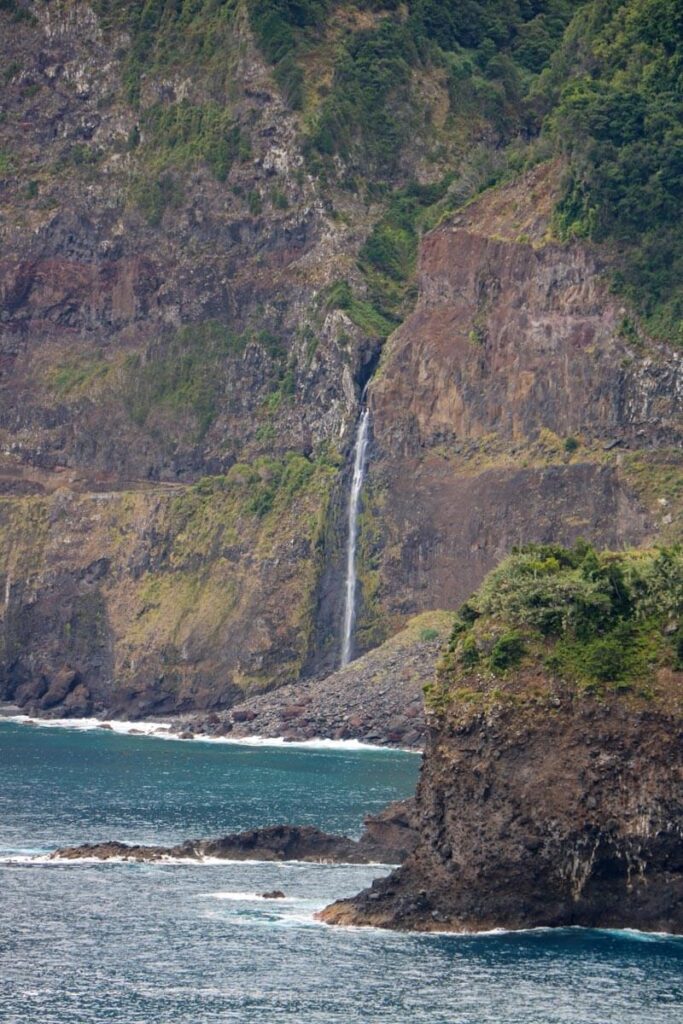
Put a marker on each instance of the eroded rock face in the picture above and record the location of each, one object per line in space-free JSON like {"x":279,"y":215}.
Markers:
{"x":514,"y":347}
{"x":542,"y":814}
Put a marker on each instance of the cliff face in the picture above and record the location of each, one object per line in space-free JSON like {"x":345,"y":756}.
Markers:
{"x":164,"y":323}
{"x":151,"y":308}
{"x":179,"y":385}
{"x":567,"y":813}
{"x":514,"y":405}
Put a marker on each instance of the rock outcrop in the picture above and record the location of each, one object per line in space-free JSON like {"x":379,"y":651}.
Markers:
{"x":551,"y":790}
{"x":387,"y":838}
{"x":563,"y":813}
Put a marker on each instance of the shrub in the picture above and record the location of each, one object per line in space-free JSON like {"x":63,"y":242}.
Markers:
{"x":605,"y":658}
{"x":254,"y":203}
{"x":154,"y":197}
{"x":183,"y":133}
{"x":618,"y":120}
{"x":366,"y":316}
{"x":469,"y":652}
{"x":507,"y":652}
{"x":592,"y":617}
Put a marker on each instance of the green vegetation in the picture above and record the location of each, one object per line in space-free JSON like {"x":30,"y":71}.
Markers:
{"x":18,"y":13}
{"x":360,"y":311}
{"x":592,"y":619}
{"x":265,"y":489}
{"x":187,"y":372}
{"x":371,"y":623}
{"x":78,"y":376}
{"x":279,"y":27}
{"x":507,"y":651}
{"x":183,"y":133}
{"x":154,"y":196}
{"x":184,"y":375}
{"x":489,"y":52}
{"x":356,"y":120}
{"x":165,"y":36}
{"x":388,"y":257}
{"x":618,"y":120}
{"x":657,"y":478}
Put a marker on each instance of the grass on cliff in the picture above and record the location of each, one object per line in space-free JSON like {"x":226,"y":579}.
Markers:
{"x":597,"y":621}
{"x":186,"y":373}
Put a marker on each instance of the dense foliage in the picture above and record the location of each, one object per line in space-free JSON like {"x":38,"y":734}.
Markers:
{"x":488,"y":51}
{"x":599,"y":80}
{"x":602,"y":79}
{"x":620,"y":121}
{"x":593,"y":618}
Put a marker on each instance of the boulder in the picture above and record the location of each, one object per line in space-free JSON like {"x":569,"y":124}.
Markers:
{"x":243,"y":715}
{"x":60,"y":685}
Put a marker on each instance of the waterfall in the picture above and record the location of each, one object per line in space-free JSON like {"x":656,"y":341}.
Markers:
{"x":359,"y":451}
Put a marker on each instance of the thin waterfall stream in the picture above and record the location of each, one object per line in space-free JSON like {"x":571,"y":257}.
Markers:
{"x":359,"y":452}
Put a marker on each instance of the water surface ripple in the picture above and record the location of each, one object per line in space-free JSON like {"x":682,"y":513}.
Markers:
{"x":181,"y":944}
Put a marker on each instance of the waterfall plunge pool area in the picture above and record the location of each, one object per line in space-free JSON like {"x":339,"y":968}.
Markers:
{"x":182,"y":943}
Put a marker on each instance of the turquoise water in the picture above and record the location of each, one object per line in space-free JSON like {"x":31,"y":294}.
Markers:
{"x":59,"y":786}
{"x":188,"y":944}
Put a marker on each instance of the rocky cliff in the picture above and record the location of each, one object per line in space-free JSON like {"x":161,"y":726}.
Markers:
{"x":565,"y":813}
{"x":551,"y":792}
{"x":513,"y":405}
{"x":187,"y":322}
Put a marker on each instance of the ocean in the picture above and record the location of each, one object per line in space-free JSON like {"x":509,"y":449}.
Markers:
{"x":84,"y":942}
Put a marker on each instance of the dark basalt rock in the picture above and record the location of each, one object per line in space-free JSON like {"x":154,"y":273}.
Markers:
{"x":387,"y":838}
{"x":533,"y":815}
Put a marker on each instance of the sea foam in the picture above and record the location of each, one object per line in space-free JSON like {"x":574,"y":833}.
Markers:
{"x":172,"y":731}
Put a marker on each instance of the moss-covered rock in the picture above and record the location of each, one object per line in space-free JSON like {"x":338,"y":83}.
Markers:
{"x":592,"y":622}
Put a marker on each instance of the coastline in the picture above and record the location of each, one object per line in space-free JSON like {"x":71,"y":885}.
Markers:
{"x":181,"y":731}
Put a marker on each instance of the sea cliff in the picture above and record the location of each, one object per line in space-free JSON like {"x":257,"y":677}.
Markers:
{"x":551,"y":792}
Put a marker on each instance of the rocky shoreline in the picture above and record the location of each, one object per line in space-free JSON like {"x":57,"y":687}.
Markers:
{"x":387,"y":838}
{"x":377,"y":699}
